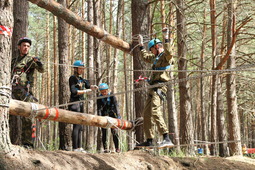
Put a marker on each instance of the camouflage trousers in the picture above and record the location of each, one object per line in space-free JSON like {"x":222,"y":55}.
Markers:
{"x":26,"y":123}
{"x":153,"y":113}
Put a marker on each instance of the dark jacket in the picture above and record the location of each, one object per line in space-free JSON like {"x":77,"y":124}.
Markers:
{"x":75,"y":84}
{"x":108,"y":106}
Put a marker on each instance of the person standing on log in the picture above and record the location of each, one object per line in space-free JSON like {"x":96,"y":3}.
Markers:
{"x":23,"y":68}
{"x":161,"y":59}
{"x":78,"y":87}
{"x":108,"y":106}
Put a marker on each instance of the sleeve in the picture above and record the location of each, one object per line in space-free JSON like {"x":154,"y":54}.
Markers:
{"x":99,"y":107}
{"x":39,"y":66}
{"x":72,"y":84}
{"x":116,"y":107}
{"x":87,"y":84}
{"x":167,"y":50}
{"x":147,"y":56}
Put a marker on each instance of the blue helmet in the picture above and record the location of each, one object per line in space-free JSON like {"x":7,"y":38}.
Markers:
{"x":78,"y":63}
{"x":153,"y":42}
{"x":103,"y":86}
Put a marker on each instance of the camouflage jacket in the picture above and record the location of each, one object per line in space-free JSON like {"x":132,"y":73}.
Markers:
{"x":24,"y":67}
{"x":164,"y":61}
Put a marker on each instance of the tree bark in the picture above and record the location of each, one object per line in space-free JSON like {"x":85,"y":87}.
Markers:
{"x":214,"y":78}
{"x":139,"y":26}
{"x":234,"y":123}
{"x":6,"y":20}
{"x":90,"y":58}
{"x":64,"y":129}
{"x":221,"y":126}
{"x":186,"y":123}
{"x":82,"y":25}
{"x":20,"y":14}
{"x":204,"y":130}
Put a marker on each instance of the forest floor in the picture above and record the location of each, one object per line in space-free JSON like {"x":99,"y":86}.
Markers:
{"x":131,"y":160}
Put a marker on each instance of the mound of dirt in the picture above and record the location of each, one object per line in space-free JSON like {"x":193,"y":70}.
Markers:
{"x":22,"y":158}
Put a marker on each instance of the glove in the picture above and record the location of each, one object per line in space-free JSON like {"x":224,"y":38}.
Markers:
{"x":165,"y":32}
{"x":93,"y":87}
{"x":36,"y":59}
{"x":140,"y":40}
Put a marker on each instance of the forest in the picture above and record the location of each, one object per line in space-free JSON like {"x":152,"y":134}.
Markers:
{"x":209,"y":102}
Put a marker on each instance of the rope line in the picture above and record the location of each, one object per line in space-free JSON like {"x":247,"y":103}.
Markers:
{"x":173,"y":81}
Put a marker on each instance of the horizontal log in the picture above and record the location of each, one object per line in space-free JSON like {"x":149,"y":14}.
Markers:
{"x":25,"y":109}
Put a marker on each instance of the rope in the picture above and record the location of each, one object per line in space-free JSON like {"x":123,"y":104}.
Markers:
{"x":173,"y":81}
{"x":109,"y":122}
{"x":34,"y":108}
{"x":137,"y":122}
{"x":6,"y":94}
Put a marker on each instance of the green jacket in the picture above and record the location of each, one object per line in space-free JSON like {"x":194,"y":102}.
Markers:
{"x":165,"y":59}
{"x":25,"y":67}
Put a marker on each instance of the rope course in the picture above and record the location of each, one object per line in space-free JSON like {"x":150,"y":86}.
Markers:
{"x":6,"y":91}
{"x":249,"y":67}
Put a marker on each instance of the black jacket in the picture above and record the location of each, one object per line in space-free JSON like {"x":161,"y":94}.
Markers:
{"x":108,"y":106}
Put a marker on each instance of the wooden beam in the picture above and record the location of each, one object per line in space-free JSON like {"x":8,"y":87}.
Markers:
{"x":25,"y":109}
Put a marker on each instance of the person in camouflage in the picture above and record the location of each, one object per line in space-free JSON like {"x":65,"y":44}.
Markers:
{"x":161,"y":59}
{"x":23,"y":68}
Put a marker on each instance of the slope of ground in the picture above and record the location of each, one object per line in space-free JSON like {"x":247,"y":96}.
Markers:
{"x":29,"y":159}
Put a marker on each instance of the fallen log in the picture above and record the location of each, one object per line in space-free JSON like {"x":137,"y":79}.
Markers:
{"x":39,"y":111}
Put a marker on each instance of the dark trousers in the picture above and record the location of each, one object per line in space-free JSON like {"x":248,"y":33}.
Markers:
{"x":115,"y":138}
{"x":77,"y":129}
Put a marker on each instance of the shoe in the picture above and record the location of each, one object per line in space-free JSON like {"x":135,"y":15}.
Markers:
{"x":165,"y":144}
{"x":144,"y":144}
{"x":106,"y":151}
{"x":79,"y":150}
{"x":82,"y":150}
{"x":76,"y":150}
{"x":117,"y":150}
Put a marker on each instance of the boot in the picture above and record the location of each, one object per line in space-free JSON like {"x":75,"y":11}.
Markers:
{"x":148,"y":143}
{"x":166,"y":142}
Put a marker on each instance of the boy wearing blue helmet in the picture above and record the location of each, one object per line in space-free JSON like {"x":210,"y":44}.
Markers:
{"x":78,"y":87}
{"x":161,"y":59}
{"x":108,"y":107}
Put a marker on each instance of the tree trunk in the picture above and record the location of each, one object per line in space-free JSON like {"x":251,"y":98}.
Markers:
{"x":186,"y":123}
{"x":97,"y":56}
{"x":214,"y":78}
{"x":55,"y":68}
{"x":91,"y":77}
{"x":139,"y":10}
{"x":6,"y":20}
{"x":222,"y":131}
{"x":204,"y":129}
{"x":64,"y":129}
{"x":234,"y":123}
{"x":20,"y":16}
{"x":221,"y":121}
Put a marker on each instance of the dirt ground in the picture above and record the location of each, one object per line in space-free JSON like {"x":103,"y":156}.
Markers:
{"x":22,"y":158}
